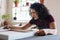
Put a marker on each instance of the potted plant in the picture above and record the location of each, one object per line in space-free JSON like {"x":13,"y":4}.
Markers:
{"x":5,"y":18}
{"x":42,"y":1}
{"x":16,"y":2}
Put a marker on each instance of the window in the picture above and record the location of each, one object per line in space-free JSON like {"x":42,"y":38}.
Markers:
{"x":20,"y":10}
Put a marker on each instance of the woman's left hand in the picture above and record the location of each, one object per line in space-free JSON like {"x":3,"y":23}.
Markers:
{"x":40,"y":33}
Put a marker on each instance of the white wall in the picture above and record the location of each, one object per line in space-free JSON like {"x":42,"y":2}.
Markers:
{"x":54,"y":8}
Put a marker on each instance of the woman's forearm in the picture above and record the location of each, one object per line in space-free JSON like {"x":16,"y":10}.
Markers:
{"x":23,"y":28}
{"x":15,"y":27}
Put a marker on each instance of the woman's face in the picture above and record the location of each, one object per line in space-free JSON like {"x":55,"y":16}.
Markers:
{"x":34,"y":14}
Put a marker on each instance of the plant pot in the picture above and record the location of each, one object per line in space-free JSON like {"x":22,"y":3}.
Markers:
{"x":27,"y":3}
{"x":42,"y":1}
{"x":6,"y":23}
{"x":16,"y":4}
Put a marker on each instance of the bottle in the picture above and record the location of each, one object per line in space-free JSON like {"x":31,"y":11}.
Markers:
{"x":20,"y":24}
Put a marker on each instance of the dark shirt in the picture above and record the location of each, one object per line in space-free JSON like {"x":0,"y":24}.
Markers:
{"x":43,"y":24}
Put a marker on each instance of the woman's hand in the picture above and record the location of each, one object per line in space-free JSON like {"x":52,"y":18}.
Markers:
{"x":52,"y":25}
{"x":40,"y":33}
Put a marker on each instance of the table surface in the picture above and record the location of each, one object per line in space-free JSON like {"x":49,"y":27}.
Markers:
{"x":12,"y":35}
{"x":48,"y":37}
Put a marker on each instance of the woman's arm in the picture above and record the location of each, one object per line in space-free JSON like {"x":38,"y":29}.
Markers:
{"x":52,"y":25}
{"x":23,"y":28}
{"x":41,"y":32}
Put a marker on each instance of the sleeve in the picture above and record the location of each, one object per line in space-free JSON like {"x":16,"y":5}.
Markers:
{"x":51,"y":19}
{"x":31,"y":21}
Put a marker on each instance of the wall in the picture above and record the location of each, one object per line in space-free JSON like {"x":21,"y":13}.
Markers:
{"x":2,"y":9}
{"x":9,"y":9}
{"x":54,"y":8}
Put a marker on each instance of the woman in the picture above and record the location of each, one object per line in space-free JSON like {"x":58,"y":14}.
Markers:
{"x":41,"y":18}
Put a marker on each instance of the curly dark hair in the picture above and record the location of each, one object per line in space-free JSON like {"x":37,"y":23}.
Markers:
{"x":41,"y":10}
